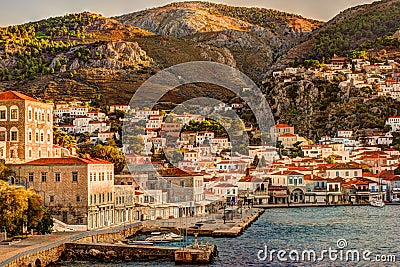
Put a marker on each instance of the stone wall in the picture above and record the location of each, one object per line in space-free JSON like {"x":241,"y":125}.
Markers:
{"x":111,"y":253}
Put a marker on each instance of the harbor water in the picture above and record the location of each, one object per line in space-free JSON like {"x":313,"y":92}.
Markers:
{"x":339,"y":236}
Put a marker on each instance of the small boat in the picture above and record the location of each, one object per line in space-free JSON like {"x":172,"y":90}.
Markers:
{"x":165,"y":238}
{"x":377,"y":203}
{"x":396,"y":200}
{"x":140,"y":243}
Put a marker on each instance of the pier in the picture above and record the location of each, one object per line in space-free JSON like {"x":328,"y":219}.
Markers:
{"x":212,"y":225}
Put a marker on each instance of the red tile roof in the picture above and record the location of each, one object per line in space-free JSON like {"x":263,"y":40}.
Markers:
{"x":67,"y":161}
{"x":12,"y":95}
{"x":282,"y":125}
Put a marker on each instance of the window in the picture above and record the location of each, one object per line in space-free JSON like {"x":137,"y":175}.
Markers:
{"x":48,"y":137}
{"x":30,"y":135}
{"x":30,"y":153}
{"x":78,"y":198}
{"x":36,"y":137}
{"x":30,"y":114}
{"x":51,"y":198}
{"x":41,"y":137}
{"x":30,"y":176}
{"x":182,"y":183}
{"x":3,"y":115}
{"x":356,"y":174}
{"x":57,"y":176}
{"x":2,"y":136}
{"x":64,"y":216}
{"x":14,"y":135}
{"x":74,"y":177}
{"x":48,"y":116}
{"x":44,"y":176}
{"x":14,"y":113}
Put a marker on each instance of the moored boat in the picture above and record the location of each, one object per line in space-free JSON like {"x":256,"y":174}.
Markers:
{"x":164,"y":238}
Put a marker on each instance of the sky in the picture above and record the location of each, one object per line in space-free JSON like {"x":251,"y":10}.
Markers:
{"x":20,"y":11}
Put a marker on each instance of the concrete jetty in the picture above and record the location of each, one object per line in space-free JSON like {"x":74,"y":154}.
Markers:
{"x":231,"y":227}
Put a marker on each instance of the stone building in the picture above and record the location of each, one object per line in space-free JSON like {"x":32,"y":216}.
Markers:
{"x":77,"y":191}
{"x":26,"y":128}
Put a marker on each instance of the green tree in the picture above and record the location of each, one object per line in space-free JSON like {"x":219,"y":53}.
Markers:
{"x":4,"y":171}
{"x":111,"y":154}
{"x":19,"y":207}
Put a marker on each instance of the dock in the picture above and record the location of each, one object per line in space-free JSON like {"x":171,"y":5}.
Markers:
{"x":230,"y":227}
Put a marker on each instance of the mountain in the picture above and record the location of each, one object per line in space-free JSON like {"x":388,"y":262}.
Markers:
{"x":347,"y":31}
{"x":89,"y":56}
{"x":254,"y":36}
{"x":187,"y":18}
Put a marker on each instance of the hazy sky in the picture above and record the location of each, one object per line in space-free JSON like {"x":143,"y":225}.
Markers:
{"x":19,"y":11}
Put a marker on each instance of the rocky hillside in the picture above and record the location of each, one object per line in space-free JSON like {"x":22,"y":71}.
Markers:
{"x":254,"y":36}
{"x":347,"y":31}
{"x":89,"y":56}
{"x":187,"y":18}
{"x":316,"y":107}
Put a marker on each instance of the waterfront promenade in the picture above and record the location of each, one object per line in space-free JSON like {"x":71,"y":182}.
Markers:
{"x":33,"y":246}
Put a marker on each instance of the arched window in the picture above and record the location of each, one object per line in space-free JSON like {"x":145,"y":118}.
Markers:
{"x":3,"y":113}
{"x":48,"y":139}
{"x":36,"y":114}
{"x":29,"y":135}
{"x":3,"y":134}
{"x":13,"y":113}
{"x":48,"y":116}
{"x":41,"y":136}
{"x":30,"y":153}
{"x":37,"y":136}
{"x":30,"y":113}
{"x":14,"y":134}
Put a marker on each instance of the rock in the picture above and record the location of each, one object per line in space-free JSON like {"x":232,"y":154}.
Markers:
{"x":75,"y":65}
{"x":94,"y":252}
{"x":63,"y":68}
{"x":111,"y":254}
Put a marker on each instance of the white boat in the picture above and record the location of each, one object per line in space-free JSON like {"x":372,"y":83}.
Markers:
{"x":377,"y":203}
{"x":140,"y":243}
{"x":396,"y":200}
{"x":165,"y":238}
